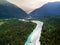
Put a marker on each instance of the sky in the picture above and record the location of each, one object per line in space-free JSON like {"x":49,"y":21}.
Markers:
{"x":30,"y":5}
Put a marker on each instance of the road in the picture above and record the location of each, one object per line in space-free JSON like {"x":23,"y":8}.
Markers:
{"x":34,"y":37}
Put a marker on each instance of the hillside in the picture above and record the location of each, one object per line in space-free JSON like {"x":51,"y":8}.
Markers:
{"x":51,"y":31}
{"x":15,"y":32}
{"x":8,"y":10}
{"x":49,"y":9}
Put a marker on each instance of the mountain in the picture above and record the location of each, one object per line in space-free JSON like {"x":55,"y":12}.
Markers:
{"x":49,"y":9}
{"x":8,"y":10}
{"x":3,"y":2}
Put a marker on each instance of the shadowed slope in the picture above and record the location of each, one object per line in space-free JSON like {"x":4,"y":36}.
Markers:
{"x":8,"y":10}
{"x":49,"y":9}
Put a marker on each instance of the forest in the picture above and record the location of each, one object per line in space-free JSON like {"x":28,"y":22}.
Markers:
{"x":51,"y":31}
{"x":15,"y":32}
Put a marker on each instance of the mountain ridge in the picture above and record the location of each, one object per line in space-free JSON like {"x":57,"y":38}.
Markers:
{"x":49,"y":9}
{"x":8,"y":10}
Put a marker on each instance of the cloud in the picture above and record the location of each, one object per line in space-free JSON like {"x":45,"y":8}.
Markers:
{"x":29,"y":5}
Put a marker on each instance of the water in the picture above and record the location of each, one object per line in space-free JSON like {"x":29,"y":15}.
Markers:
{"x":34,"y":37}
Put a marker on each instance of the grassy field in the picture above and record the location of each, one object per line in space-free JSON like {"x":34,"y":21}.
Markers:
{"x":1,"y":23}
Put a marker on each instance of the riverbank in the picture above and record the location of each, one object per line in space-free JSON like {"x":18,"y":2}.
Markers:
{"x":34,"y":37}
{"x":15,"y":32}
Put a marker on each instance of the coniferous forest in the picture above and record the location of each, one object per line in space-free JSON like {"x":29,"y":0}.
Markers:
{"x":15,"y":32}
{"x":51,"y":31}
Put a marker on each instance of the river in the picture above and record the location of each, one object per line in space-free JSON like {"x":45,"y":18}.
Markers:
{"x":34,"y":37}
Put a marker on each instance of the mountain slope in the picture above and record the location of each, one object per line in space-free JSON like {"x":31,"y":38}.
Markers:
{"x":49,"y":9}
{"x":8,"y":10}
{"x":51,"y":31}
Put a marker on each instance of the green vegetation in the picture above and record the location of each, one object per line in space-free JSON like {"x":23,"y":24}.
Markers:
{"x":51,"y":31}
{"x":15,"y":32}
{"x":1,"y":23}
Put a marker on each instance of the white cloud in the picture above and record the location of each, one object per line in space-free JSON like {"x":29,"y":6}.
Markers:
{"x":29,"y":5}
{"x":53,"y":0}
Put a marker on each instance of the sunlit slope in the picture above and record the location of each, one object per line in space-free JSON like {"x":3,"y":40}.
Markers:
{"x":1,"y":23}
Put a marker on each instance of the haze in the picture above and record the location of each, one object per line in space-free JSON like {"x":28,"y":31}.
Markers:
{"x":30,"y":5}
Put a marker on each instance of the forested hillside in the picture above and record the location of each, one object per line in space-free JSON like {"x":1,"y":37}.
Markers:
{"x":51,"y":31}
{"x":8,"y":10}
